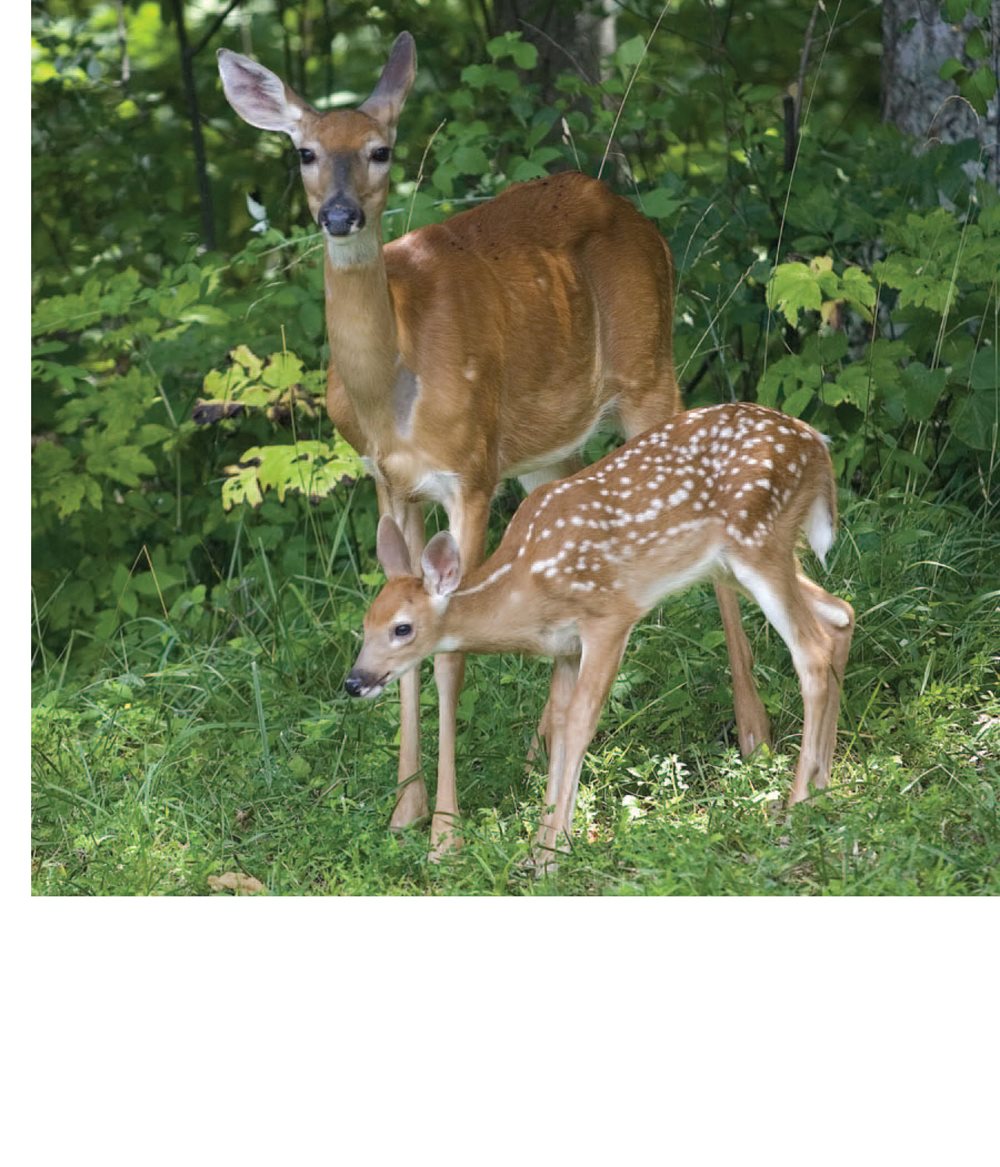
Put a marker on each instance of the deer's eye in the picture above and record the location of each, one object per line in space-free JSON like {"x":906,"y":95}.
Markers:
{"x":402,"y":631}
{"x":380,"y":154}
{"x":306,"y":156}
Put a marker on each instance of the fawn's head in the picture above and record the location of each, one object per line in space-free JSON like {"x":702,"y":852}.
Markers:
{"x":344,"y":154}
{"x":406,"y":619}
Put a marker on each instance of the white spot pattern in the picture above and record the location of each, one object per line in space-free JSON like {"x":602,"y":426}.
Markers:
{"x":673,"y":505}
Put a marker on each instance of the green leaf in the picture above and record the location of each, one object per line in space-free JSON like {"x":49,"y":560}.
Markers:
{"x":477,"y":76}
{"x":247,"y":360}
{"x":976,"y":46}
{"x":126,"y":464}
{"x":282,"y":370}
{"x":985,"y":370}
{"x":525,"y":55}
{"x":660,"y":204}
{"x":978,"y":88}
{"x":857,"y":288}
{"x":313,"y":468}
{"x":922,"y":389}
{"x":524,"y":169}
{"x":629,"y":53}
{"x":853,"y":384}
{"x":793,"y":287}
{"x":907,"y":275}
{"x":471,"y":160}
{"x":951,"y":68}
{"x":788,"y":376}
{"x":796,"y":403}
{"x":242,"y":486}
{"x":974,"y":419}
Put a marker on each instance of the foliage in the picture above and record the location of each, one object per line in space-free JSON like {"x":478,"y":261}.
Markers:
{"x":975,"y":77}
{"x":195,"y":755}
{"x":184,"y":574}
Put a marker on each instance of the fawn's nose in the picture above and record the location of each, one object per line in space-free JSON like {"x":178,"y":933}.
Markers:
{"x":341,"y":216}
{"x":354,"y":684}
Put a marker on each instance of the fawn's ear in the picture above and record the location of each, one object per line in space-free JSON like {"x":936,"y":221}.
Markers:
{"x":386,"y":101}
{"x":442,"y":565}
{"x":391,"y":549}
{"x":259,"y":96}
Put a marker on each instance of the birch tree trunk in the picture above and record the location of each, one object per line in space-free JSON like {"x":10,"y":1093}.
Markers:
{"x":567,"y":34}
{"x":916,"y":41}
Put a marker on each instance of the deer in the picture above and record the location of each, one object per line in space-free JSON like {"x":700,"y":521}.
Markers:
{"x":489,"y":346}
{"x":721,"y":492}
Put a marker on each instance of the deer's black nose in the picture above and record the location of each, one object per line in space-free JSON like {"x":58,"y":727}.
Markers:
{"x":341,"y":216}
{"x":354,"y":684}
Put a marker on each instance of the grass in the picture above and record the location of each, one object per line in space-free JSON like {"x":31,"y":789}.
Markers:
{"x":187,"y":755}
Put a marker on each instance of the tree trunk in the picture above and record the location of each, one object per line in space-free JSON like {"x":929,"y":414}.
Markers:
{"x":198,"y":141}
{"x":567,"y":34}
{"x":916,"y":41}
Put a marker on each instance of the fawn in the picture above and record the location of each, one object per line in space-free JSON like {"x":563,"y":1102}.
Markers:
{"x":486,"y":347}
{"x":719,"y":493}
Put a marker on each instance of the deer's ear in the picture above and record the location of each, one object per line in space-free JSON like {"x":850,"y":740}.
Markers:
{"x":259,"y":96}
{"x":441,"y":564}
{"x":391,"y":549}
{"x":387,"y":98}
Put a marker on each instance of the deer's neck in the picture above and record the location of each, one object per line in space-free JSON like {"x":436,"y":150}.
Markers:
{"x":361,"y":325}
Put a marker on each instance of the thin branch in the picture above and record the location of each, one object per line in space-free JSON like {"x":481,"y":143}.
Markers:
{"x":198,"y":141}
{"x":123,"y":45}
{"x":560,"y":48}
{"x":214,"y":28}
{"x":793,"y":116}
{"x":628,"y":88}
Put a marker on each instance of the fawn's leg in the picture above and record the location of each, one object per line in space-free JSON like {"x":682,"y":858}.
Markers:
{"x":836,"y":618}
{"x":791,"y":610}
{"x":540,"y":739}
{"x":752,"y":725}
{"x":564,"y":674}
{"x":604,"y":644}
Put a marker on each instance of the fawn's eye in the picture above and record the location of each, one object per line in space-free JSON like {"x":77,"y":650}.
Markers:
{"x":380,"y":154}
{"x":401,"y":631}
{"x":306,"y":156}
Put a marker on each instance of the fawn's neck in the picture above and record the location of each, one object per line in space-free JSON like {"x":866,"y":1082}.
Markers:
{"x":490,"y":612}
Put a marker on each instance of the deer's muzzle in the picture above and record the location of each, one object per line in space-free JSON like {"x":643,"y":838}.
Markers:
{"x":341,"y":216}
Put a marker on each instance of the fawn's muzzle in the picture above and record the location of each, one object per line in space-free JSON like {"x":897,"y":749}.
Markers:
{"x":358,"y":683}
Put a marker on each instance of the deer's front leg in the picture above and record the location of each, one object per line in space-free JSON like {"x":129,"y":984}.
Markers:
{"x":411,"y":792}
{"x":467,"y":522}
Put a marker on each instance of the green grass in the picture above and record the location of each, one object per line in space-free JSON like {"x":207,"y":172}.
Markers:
{"x":187,"y":755}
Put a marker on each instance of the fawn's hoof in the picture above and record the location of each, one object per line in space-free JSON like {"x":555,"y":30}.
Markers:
{"x":754,"y":734}
{"x":545,"y":854}
{"x":411,"y":807}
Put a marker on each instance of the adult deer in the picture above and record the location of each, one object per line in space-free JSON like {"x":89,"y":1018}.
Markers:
{"x":485,"y":347}
{"x":720,"y":492}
